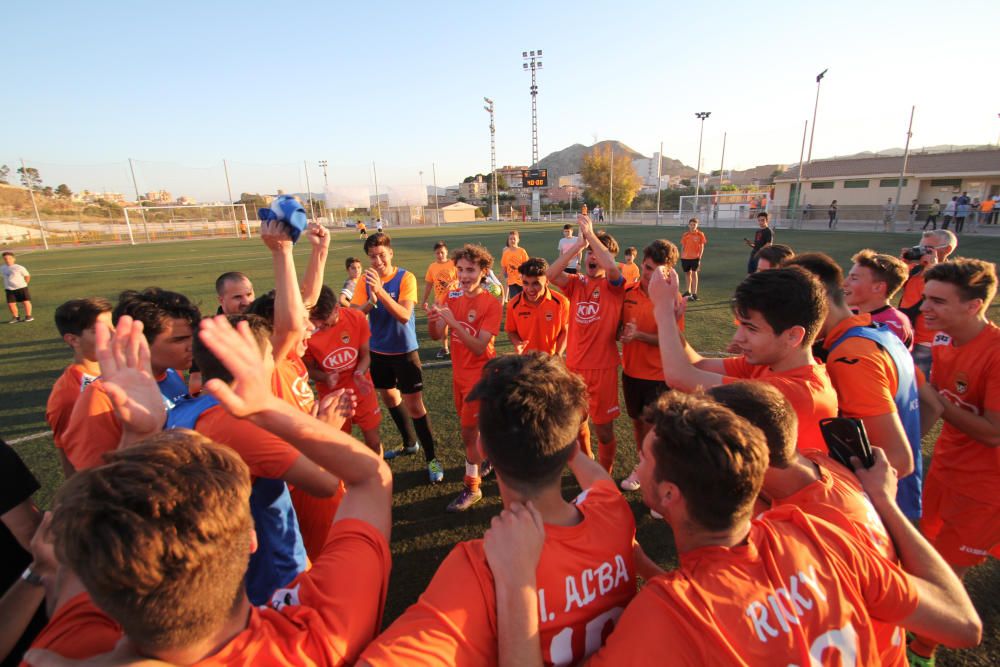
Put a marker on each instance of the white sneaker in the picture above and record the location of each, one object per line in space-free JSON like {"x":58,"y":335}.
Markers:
{"x":631,"y":483}
{"x":656,"y":515}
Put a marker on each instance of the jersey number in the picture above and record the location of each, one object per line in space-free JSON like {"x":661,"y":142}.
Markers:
{"x":561,"y":647}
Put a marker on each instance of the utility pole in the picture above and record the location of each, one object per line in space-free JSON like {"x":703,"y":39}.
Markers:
{"x":437,"y":210}
{"x":659,"y":178}
{"x":312,"y":209}
{"x":326,"y":187}
{"x":902,"y":170}
{"x":819,"y":79}
{"x":533,"y":62}
{"x":232,"y":205}
{"x":493,"y":159}
{"x":378,"y":198}
{"x":34,"y":205}
{"x":798,"y":181}
{"x":142,"y":211}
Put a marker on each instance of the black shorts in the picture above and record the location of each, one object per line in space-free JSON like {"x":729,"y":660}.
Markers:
{"x":690,"y":264}
{"x":397,"y":371}
{"x":513,"y":290}
{"x":640,"y":393}
{"x":18,"y":295}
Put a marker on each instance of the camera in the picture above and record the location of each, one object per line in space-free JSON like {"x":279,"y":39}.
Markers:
{"x":916,"y":253}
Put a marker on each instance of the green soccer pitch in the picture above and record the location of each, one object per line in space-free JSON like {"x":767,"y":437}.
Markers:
{"x":32,"y":356}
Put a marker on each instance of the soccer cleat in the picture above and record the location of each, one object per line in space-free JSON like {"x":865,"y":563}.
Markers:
{"x":631,"y":483}
{"x":915,"y":660}
{"x":29,"y":319}
{"x":16,"y":320}
{"x":435,"y":472}
{"x":485,"y":468}
{"x":686,"y":294}
{"x":442,"y":354}
{"x":694,"y":297}
{"x":466,"y":499}
{"x":390,"y":454}
{"x":656,"y":515}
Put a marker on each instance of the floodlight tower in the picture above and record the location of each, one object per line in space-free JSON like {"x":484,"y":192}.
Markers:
{"x":812,"y":133}
{"x":493,"y":159}
{"x":326,"y":185}
{"x":700,"y":115}
{"x":533,"y":62}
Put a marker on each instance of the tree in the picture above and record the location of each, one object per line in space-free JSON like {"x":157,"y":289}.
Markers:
{"x":47,"y":191}
{"x":4,"y":173}
{"x":501,"y":181}
{"x":596,"y":175}
{"x":63,"y":191}
{"x":30,"y":177}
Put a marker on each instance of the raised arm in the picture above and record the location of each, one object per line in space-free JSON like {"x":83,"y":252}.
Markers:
{"x":603,"y":256}
{"x":312,"y":282}
{"x":289,"y":311}
{"x":556,"y":273}
{"x":944,"y":611}
{"x":365,"y":474}
{"x":681,"y":365}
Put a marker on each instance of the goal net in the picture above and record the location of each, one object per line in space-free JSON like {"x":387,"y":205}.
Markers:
{"x":159,"y":223}
{"x":724,"y":208}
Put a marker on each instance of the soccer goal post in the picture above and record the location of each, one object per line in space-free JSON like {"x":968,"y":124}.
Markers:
{"x":723,"y":208}
{"x":159,"y":223}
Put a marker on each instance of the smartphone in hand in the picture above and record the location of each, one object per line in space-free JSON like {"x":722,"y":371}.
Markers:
{"x":846,"y":437}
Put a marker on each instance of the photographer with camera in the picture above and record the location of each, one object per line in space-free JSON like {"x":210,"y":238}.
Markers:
{"x":935,"y":246}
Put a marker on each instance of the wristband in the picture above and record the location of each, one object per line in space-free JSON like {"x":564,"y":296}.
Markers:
{"x":31,"y":577}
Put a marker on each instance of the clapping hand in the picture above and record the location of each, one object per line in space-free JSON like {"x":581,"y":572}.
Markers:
{"x":128,"y":379}
{"x":237,"y":349}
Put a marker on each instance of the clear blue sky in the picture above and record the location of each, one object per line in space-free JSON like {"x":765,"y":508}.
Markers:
{"x":181,"y":85}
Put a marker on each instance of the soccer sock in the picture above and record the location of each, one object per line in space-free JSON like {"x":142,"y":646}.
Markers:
{"x":471,"y":476}
{"x":584,"y":439}
{"x":404,"y":425}
{"x":423,"y":427}
{"x":606,"y":453}
{"x":925,"y":649}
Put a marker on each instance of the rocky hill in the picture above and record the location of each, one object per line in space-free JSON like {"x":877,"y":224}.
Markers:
{"x":569,"y":160}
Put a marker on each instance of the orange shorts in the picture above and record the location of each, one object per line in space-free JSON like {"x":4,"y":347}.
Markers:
{"x":963,"y":530}
{"x":367,"y":413}
{"x":467,"y":411}
{"x":602,"y":393}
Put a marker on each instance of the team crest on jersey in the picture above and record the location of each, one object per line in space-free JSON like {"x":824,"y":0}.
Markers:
{"x":345,"y":338}
{"x":548,"y":317}
{"x":942,"y":339}
{"x":596,"y":294}
{"x":961,"y":383}
{"x":285,"y":597}
{"x":472,"y":315}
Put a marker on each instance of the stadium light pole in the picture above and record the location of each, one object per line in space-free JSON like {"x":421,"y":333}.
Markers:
{"x":798,"y":181}
{"x":326,"y":184}
{"x":700,"y":115}
{"x":812,"y":133}
{"x":493,"y":158}
{"x":659,"y":179}
{"x":902,"y":169}
{"x":532,"y":63}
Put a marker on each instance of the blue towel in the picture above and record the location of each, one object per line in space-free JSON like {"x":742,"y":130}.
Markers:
{"x":288,"y":210}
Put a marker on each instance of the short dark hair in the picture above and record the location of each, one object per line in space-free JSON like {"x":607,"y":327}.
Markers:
{"x":474,"y":253}
{"x":829,"y":273}
{"x":974,"y":278}
{"x":263,"y":306}
{"x":153,"y":307}
{"x":534,"y":267}
{"x":160,"y":535}
{"x":765,"y":407}
{"x":210,"y":366}
{"x":764,"y":214}
{"x":220,"y":282}
{"x":349,"y":261}
{"x":326,"y":303}
{"x":631,"y":250}
{"x":716,"y":458}
{"x":77,"y":315}
{"x":887,"y":269}
{"x":567,"y":226}
{"x":440,"y":244}
{"x":8,"y":253}
{"x":802,"y":300}
{"x":776,"y":254}
{"x":530,"y":411}
{"x":608,"y":241}
{"x":377,"y":239}
{"x":662,"y":252}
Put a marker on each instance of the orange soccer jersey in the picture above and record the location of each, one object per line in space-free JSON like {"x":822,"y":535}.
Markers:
{"x":837,"y":497}
{"x":442,"y":275}
{"x":290,"y":383}
{"x":800,"y":590}
{"x":630,"y":272}
{"x":325,"y":616}
{"x":585,"y":578}
{"x":595,"y":306}
{"x":78,"y":630}
{"x":475,"y":314}
{"x":540,"y":325}
{"x":807,"y":388}
{"x":65,"y":393}
{"x":693,"y":244}
{"x":863,"y":374}
{"x":641,"y":360}
{"x":510,"y":260}
{"x":92,"y":429}
{"x":913,"y":293}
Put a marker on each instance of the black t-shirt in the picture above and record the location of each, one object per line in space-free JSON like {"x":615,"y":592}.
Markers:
{"x":17,"y":484}
{"x":762,"y":238}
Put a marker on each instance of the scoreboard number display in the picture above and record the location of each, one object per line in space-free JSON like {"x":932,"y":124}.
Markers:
{"x":535,"y":178}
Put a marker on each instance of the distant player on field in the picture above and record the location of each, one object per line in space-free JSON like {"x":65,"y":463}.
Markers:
{"x":538,"y":317}
{"x":439,"y":279}
{"x":630,"y":270}
{"x":354,"y":271}
{"x":15,"y":284}
{"x":692,"y":249}
{"x":513,"y":256}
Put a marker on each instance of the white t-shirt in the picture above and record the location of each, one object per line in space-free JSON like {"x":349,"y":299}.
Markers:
{"x":565,"y":244}
{"x":14,"y":276}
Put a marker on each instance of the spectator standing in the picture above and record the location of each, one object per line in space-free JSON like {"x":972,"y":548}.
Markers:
{"x":832,"y":213}
{"x":914,"y":208}
{"x":15,"y":284}
{"x":949,"y":212}
{"x":932,"y":214}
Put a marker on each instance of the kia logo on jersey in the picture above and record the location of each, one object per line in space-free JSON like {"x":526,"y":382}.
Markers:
{"x":341,"y":358}
{"x":469,"y":329}
{"x":587,"y":312}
